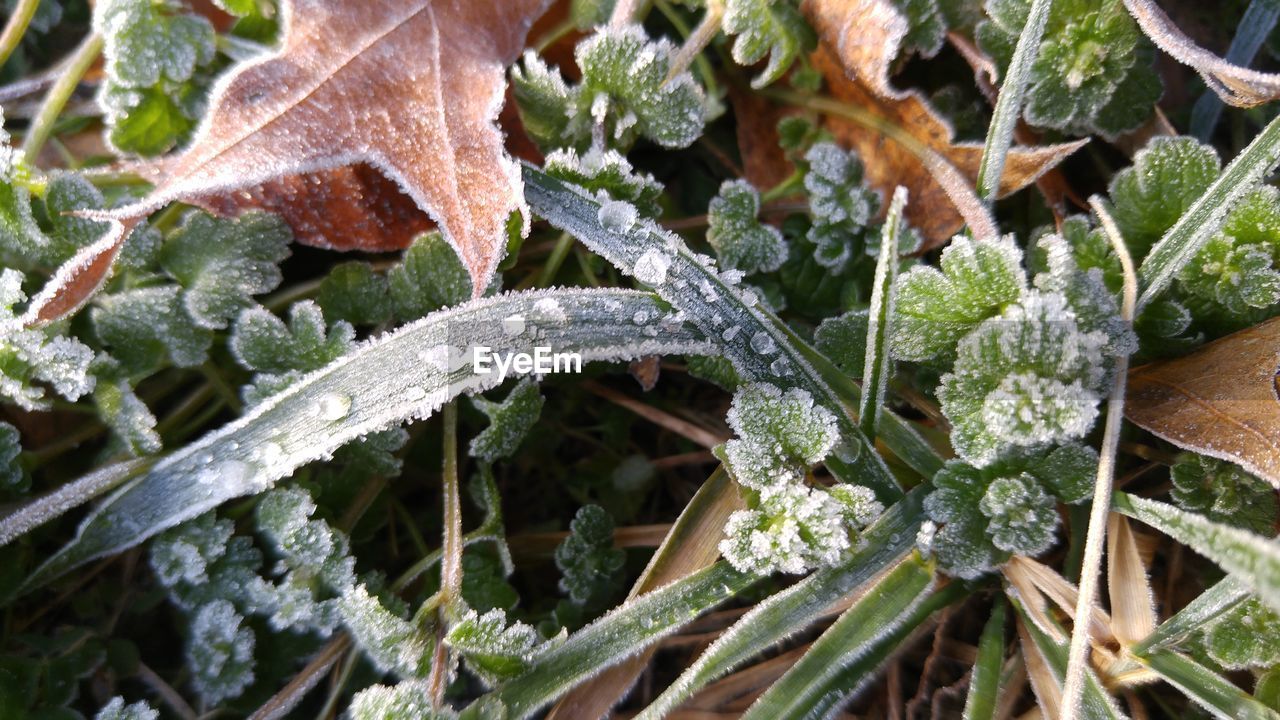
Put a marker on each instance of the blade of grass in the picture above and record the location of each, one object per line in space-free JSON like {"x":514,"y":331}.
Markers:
{"x":877,"y":362}
{"x":16,"y":27}
{"x":397,"y":377}
{"x":984,"y":682}
{"x":1252,"y":30}
{"x":1004,"y":118}
{"x":1094,"y":703}
{"x":1209,"y":690}
{"x":1207,"y":606}
{"x":1206,"y":215}
{"x":69,"y":496}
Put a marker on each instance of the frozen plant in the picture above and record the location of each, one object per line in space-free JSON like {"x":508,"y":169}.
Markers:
{"x":509,"y":421}
{"x":607,"y":171}
{"x":391,"y":642}
{"x":1245,"y":636}
{"x":740,"y":240}
{"x":219,"y":653}
{"x":1222,"y":491}
{"x":493,"y":649}
{"x":32,"y":358}
{"x":790,"y":528}
{"x":13,"y":478}
{"x":283,"y":353}
{"x":841,"y":204}
{"x":117,"y":710}
{"x":767,"y":27}
{"x":409,"y":700}
{"x":590,"y":566}
{"x":779,"y":435}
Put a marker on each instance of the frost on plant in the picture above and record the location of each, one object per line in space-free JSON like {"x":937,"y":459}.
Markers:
{"x":1008,"y":508}
{"x":35,"y":231}
{"x":1245,"y":636}
{"x":590,"y":566}
{"x":409,"y":700}
{"x":117,"y":710}
{"x":33,"y":361}
{"x":392,"y":643}
{"x":13,"y":479}
{"x":282,"y":353}
{"x":354,"y":293}
{"x":493,"y":649}
{"x":430,"y":276}
{"x":220,"y":653}
{"x":779,"y":435}
{"x":1223,"y":492}
{"x":1166,"y":177}
{"x":1093,"y":72}
{"x":157,"y":64}
{"x":624,"y":90}
{"x":843,"y":339}
{"x":121,"y":409}
{"x":146,"y":327}
{"x":509,"y":421}
{"x":740,"y":240}
{"x":767,"y":27}
{"x":842,"y":206}
{"x":305,"y":545}
{"x":607,"y":171}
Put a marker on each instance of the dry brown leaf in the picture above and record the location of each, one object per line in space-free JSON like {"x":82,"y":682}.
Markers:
{"x":1133,"y":613}
{"x":764,"y":164}
{"x":410,"y":87}
{"x":864,"y":34}
{"x":1238,"y":86}
{"x":1219,"y":401}
{"x":905,"y":142}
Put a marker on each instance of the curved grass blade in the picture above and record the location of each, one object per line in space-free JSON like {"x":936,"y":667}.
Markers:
{"x":714,"y":301}
{"x":1252,"y":559}
{"x":625,"y":631}
{"x":984,"y":683}
{"x":69,"y":496}
{"x":1206,"y":608}
{"x":791,"y":610}
{"x":1255,"y":25}
{"x":815,"y":684}
{"x":1205,"y":217}
{"x":1208,"y":689}
{"x":1095,"y":703}
{"x":408,"y":374}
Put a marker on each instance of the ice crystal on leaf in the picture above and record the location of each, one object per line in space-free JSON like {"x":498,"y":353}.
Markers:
{"x":841,"y":204}
{"x":391,"y":642}
{"x":13,"y":479}
{"x":1245,"y":636}
{"x":183,"y":555}
{"x":409,"y":700}
{"x":767,"y":27}
{"x":36,"y":230}
{"x":1093,"y":71}
{"x":117,"y":710}
{"x":154,"y":89}
{"x":31,"y":359}
{"x":779,"y":435}
{"x":1007,"y":508}
{"x":607,"y":171}
{"x":121,"y":409}
{"x":281,"y":354}
{"x":791,"y":529}
{"x":1223,"y":492}
{"x":590,"y":565}
{"x":977,"y":280}
{"x":1027,"y":378}
{"x":509,"y":421}
{"x":219,"y":653}
{"x":222,"y":263}
{"x":740,"y":240}
{"x":492,"y":649}
{"x":624,"y":90}
{"x":145,"y":326}
{"x":305,"y":545}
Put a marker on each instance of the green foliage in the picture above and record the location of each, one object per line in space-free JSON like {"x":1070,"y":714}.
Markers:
{"x":354,"y":293}
{"x":1092,"y":72}
{"x":35,"y":229}
{"x":779,"y":435}
{"x":1223,"y":492}
{"x":430,"y":276}
{"x":609,"y":172}
{"x":590,"y":566}
{"x":405,"y":701}
{"x":740,"y":240}
{"x":843,"y":339}
{"x":493,"y":649}
{"x":841,"y":204}
{"x":1166,"y":177}
{"x":1245,"y":636}
{"x":117,"y":710}
{"x":509,"y":421}
{"x":220,"y":653}
{"x":282,"y":354}
{"x":307,"y":546}
{"x":1007,"y":508}
{"x":624,"y":89}
{"x":145,"y":327}
{"x":222,"y":263}
{"x":122,"y":410}
{"x":35,"y":360}
{"x":767,"y":27}
{"x":13,"y":478}
{"x":156,"y":73}
{"x":926,"y":25}
{"x":392,"y":643}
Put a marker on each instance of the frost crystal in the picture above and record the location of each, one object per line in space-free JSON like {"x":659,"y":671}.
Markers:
{"x":1093,"y":71}
{"x":741,"y":241}
{"x":1235,"y":277}
{"x":306,"y":545}
{"x":843,"y":339}
{"x":183,"y":555}
{"x":261,"y":341}
{"x":793,"y":529}
{"x":624,"y":90}
{"x":1022,"y":515}
{"x":772,"y":27}
{"x":936,"y":307}
{"x":1166,"y":177}
{"x":606,"y":171}
{"x":145,"y":326}
{"x":117,"y":710}
{"x":29,"y":356}
{"x":590,"y":566}
{"x":13,"y":478}
{"x":779,"y":434}
{"x":841,"y":204}
{"x":509,"y":421}
{"x":409,"y":700}
{"x":494,"y":650}
{"x":391,"y":642}
{"x":219,"y":653}
{"x":121,"y":408}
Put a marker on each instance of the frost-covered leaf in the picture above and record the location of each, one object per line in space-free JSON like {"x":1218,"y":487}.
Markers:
{"x":1029,"y":377}
{"x":13,"y":478}
{"x":32,"y":360}
{"x":1245,"y":636}
{"x":35,"y":229}
{"x":305,"y":544}
{"x":1093,"y":68}
{"x":1234,"y":278}
{"x":1223,"y":492}
{"x":1022,"y":515}
{"x":509,"y":421}
{"x":183,"y":555}
{"x":1166,"y":177}
{"x":154,"y":89}
{"x":220,"y":653}
{"x":202,"y":560}
{"x":767,"y":27}
{"x":936,"y":307}
{"x":869,"y":35}
{"x":493,"y":649}
{"x":590,"y":566}
{"x":117,"y":710}
{"x":624,"y":88}
{"x":143,"y":327}
{"x":430,"y":276}
{"x":842,"y":206}
{"x":409,"y":700}
{"x":354,"y":293}
{"x":792,"y":529}
{"x":221,"y":264}
{"x":778,"y":434}
{"x":843,"y":339}
{"x":608,"y":171}
{"x":281,"y":354}
{"x":122,"y":410}
{"x":740,"y":240}
{"x":391,"y":642}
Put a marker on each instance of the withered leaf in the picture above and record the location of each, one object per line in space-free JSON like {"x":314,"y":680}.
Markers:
{"x":1219,"y":401}
{"x":865,"y":35}
{"x":905,"y":142}
{"x":411,"y":87}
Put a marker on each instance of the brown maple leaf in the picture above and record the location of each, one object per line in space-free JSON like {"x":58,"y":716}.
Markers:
{"x":1219,"y":401}
{"x":411,"y":87}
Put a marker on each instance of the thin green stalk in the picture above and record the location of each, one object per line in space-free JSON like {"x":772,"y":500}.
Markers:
{"x":1009,"y":104}
{"x":451,"y":563}
{"x":984,"y":683}
{"x":791,"y":185}
{"x":564,"y":27}
{"x":16,"y":28}
{"x":558,"y":254}
{"x":1078,"y":652}
{"x":42,"y":126}
{"x":877,"y":363}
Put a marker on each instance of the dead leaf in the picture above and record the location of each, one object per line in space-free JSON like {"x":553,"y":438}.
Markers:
{"x":864,"y":34}
{"x":905,"y":142}
{"x":1133,"y":614}
{"x":1238,"y":86}
{"x":764,"y":164}
{"x":645,"y":370}
{"x":410,"y":87}
{"x":1219,"y":401}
